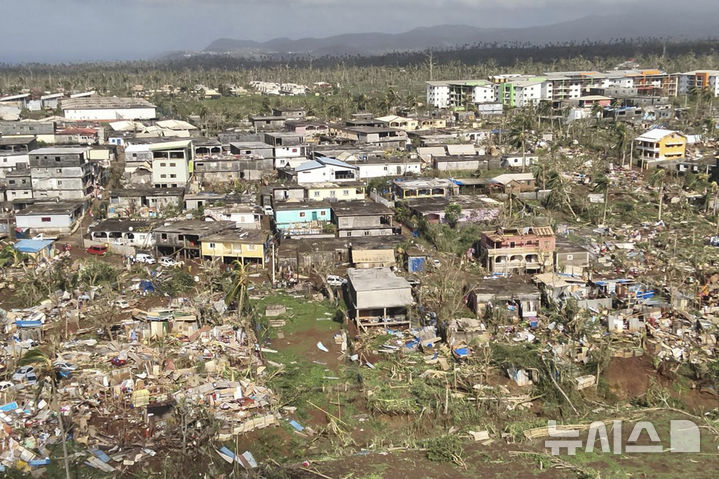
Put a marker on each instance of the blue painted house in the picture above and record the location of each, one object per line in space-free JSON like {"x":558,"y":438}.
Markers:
{"x":302,"y":218}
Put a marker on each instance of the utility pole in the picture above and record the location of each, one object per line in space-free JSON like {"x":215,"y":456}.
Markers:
{"x":273,"y":263}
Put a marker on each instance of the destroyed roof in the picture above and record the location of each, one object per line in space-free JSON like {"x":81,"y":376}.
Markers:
{"x":195,"y":227}
{"x":238,"y":236}
{"x":527,"y":230}
{"x":501,"y":287}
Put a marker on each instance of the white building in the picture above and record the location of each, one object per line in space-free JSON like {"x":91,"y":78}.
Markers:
{"x":686,"y":82}
{"x":108,"y":109}
{"x":527,"y":92}
{"x":438,"y":94}
{"x":323,"y":170}
{"x":53,"y":217}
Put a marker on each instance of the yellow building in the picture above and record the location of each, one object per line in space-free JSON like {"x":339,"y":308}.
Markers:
{"x":334,"y":191}
{"x":657,"y":146}
{"x":247,"y":246}
{"x":432,"y":123}
{"x":393,"y":121}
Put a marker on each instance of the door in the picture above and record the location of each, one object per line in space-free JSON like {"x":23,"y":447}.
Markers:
{"x":314,"y":216}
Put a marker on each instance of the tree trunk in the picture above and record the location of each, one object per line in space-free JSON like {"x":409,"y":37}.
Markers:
{"x":62,"y":431}
{"x":661,"y":200}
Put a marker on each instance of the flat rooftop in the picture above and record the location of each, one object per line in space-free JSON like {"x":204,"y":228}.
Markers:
{"x":104,"y":103}
{"x":50,"y":208}
{"x":360,"y":208}
{"x":376,"y":279}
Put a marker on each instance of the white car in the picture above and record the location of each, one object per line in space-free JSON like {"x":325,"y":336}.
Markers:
{"x":144,"y":258}
{"x":25,"y":374}
{"x":267,"y":209}
{"x":334,"y":280}
{"x":65,"y":365}
{"x":120,"y":303}
{"x":169,"y":262}
{"x":5,"y":385}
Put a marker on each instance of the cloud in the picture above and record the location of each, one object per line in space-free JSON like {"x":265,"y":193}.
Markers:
{"x":42,"y":30}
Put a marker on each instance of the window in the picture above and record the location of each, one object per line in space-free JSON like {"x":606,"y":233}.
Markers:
{"x":317,"y":194}
{"x":46,"y":219}
{"x":134,"y":155}
{"x":346,"y":192}
{"x":323,"y":213}
{"x":59,"y":170}
{"x":163,"y":236}
{"x":212,"y":245}
{"x":163,"y":176}
{"x":294,"y":150}
{"x":163,"y":164}
{"x":172,"y":165}
{"x":57,"y":159}
{"x":173,"y":176}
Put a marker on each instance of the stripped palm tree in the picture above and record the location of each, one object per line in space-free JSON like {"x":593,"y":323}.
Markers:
{"x":42,"y":362}
{"x":238,"y":291}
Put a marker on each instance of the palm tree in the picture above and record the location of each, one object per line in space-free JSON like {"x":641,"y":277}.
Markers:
{"x":657,"y":177}
{"x":238,"y":291}
{"x":602,"y":184}
{"x":46,"y":374}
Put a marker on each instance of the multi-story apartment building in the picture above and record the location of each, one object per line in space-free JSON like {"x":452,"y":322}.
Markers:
{"x":518,"y":250}
{"x":698,"y":79}
{"x":659,"y":145}
{"x":459,"y":94}
{"x":64,"y":173}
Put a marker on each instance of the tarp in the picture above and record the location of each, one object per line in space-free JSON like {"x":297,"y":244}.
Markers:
{"x":32,"y":246}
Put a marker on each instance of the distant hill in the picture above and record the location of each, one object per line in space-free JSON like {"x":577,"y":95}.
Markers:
{"x":592,"y":28}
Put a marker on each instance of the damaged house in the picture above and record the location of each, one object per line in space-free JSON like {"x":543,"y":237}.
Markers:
{"x":377,"y":297}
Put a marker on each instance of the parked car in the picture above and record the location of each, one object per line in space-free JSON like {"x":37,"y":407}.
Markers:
{"x":25,"y":374}
{"x":65,"y":365}
{"x":267,"y":209}
{"x":334,"y":280}
{"x":5,"y":385}
{"x":120,"y":303}
{"x":97,"y":250}
{"x":169,"y":262}
{"x":144,"y":258}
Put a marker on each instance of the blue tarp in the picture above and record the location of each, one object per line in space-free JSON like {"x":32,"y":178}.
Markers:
{"x":100,"y":455}
{"x":28,"y":324}
{"x":146,"y":285}
{"x":32,"y":246}
{"x":40,"y":462}
{"x":296,"y":425}
{"x":9,"y":407}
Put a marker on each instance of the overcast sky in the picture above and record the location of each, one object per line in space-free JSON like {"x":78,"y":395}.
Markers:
{"x":75,"y":30}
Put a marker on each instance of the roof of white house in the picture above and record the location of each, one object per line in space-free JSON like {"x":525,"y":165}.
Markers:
{"x":656,"y":134}
{"x":509,"y":177}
